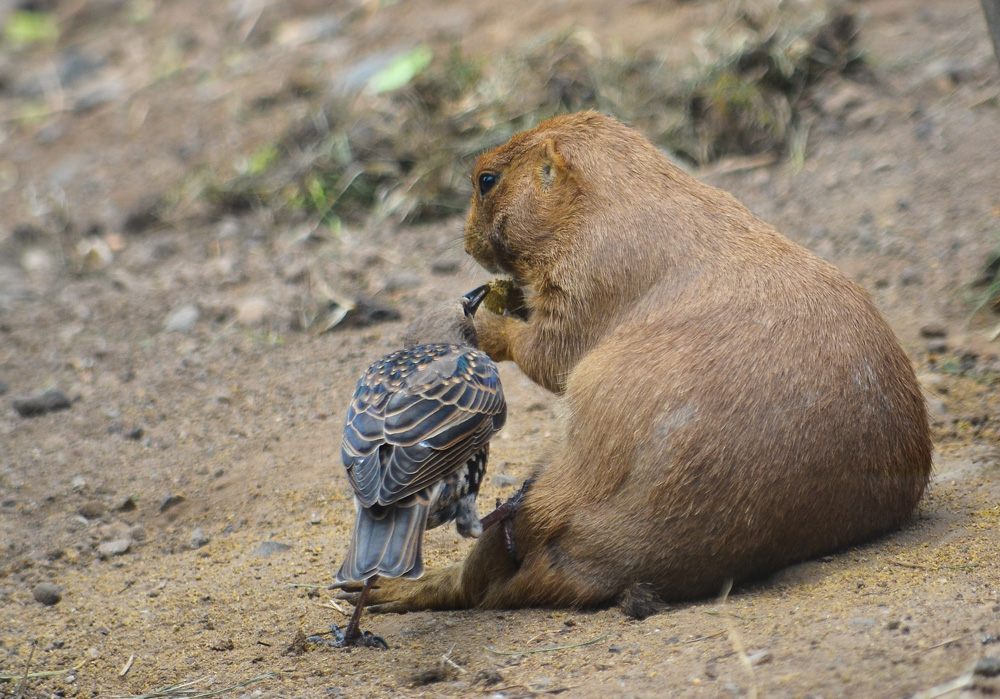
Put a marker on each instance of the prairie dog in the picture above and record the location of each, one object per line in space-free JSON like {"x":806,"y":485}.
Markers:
{"x":734,"y":403}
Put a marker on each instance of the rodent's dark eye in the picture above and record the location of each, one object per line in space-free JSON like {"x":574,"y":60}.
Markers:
{"x":487,"y":180}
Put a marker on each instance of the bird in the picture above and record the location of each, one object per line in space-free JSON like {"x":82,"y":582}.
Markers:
{"x":416,"y":444}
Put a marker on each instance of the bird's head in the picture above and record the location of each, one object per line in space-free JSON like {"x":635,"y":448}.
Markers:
{"x":452,"y":322}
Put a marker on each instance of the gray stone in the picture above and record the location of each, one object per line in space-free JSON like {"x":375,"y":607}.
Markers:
{"x":446,"y":265}
{"x":198,"y":538}
{"x":169,"y":501}
{"x":39,"y":404}
{"x":92,"y":509}
{"x":267,"y":548}
{"x":252,"y":311}
{"x":987,"y":667}
{"x":73,"y":65}
{"x":115,"y":547}
{"x":125,"y":504}
{"x":47,"y":593}
{"x":182,"y":319}
{"x":933,"y":331}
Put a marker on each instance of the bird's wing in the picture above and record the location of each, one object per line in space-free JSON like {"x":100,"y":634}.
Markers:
{"x":400,"y":439}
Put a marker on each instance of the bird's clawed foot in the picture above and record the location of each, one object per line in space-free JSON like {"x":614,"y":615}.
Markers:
{"x":504,"y":516}
{"x":346,"y":639}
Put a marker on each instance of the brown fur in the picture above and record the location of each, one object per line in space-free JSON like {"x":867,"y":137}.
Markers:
{"x":734,"y":403}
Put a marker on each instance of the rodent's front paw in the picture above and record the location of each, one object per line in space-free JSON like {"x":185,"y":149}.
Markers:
{"x":494,"y":334}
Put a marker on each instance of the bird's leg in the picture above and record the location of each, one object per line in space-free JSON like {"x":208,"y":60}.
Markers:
{"x":352,"y":636}
{"x":504,"y":515}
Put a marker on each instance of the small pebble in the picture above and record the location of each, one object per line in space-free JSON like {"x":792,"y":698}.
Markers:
{"x":114,"y":548}
{"x":134,"y":433}
{"x":933,"y":331}
{"x":125,"y":504}
{"x":760,"y":657}
{"x":937,"y":347}
{"x":987,"y":667}
{"x":92,"y":509}
{"x":47,"y":593}
{"x":446,"y":265}
{"x":198,"y":538}
{"x":267,"y":548}
{"x":169,"y":501}
{"x":42,"y":403}
{"x":182,"y":319}
{"x":252,"y":311}
{"x":910,"y":276}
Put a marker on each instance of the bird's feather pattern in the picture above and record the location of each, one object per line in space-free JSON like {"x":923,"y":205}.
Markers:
{"x":416,"y":416}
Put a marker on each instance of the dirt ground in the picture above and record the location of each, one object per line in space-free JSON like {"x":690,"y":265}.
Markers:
{"x":190,"y":503}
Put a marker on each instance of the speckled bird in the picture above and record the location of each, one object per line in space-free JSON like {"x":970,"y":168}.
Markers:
{"x":416,"y":442}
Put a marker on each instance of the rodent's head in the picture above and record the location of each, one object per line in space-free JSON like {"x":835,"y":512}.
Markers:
{"x":534,"y":195}
{"x":522,"y":204}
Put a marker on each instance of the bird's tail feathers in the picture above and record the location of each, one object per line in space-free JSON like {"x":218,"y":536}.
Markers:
{"x":387,"y":541}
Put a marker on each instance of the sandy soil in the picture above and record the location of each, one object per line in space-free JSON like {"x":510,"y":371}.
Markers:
{"x":190,"y":504}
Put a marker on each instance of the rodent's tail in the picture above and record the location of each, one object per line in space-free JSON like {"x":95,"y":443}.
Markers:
{"x":388,"y":541}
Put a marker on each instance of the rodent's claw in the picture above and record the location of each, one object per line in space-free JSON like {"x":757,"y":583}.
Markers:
{"x":351,"y":596}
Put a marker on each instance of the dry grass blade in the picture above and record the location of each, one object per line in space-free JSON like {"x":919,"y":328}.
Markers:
{"x":23,"y":684}
{"x":16,"y":677}
{"x":186,"y":689}
{"x":904,"y":564}
{"x":737,"y":641}
{"x":548,"y":649}
{"x":946,"y":688}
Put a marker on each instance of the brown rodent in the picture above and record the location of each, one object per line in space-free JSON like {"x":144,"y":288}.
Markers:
{"x":733,"y":403}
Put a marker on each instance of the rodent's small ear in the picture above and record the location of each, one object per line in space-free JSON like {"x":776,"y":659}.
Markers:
{"x":552,"y":165}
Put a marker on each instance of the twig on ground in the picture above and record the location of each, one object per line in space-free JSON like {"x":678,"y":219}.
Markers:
{"x":945,"y":642}
{"x":446,"y":658}
{"x":705,"y":638}
{"x":127,"y":666}
{"x":331,"y":604}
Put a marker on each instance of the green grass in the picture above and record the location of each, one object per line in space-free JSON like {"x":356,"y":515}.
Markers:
{"x":404,"y":147}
